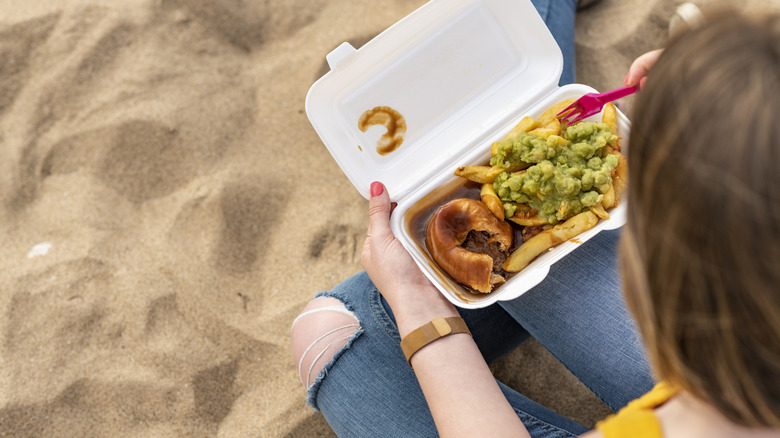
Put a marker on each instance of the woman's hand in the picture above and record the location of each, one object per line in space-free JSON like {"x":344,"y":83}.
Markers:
{"x":411,"y":295}
{"x":637,"y":73}
{"x":384,"y":258}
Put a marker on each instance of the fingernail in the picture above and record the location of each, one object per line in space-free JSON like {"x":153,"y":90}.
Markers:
{"x":376,"y":188}
{"x":625,"y":81}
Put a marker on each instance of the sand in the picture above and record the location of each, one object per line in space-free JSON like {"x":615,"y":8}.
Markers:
{"x":156,"y":235}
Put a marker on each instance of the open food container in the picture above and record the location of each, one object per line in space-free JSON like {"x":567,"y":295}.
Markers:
{"x":457,"y":75}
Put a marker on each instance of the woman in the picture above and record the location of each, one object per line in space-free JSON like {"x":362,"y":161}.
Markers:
{"x":700,"y":257}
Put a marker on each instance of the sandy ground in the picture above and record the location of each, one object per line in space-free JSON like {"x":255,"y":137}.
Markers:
{"x":167,"y":209}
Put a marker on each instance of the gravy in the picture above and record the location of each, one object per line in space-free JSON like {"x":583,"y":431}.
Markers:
{"x":392,"y":120}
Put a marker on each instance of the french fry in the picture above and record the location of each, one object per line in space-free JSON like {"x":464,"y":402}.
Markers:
{"x":487,"y":174}
{"x":491,"y":199}
{"x":545,"y":132}
{"x":547,"y":239}
{"x":524,"y":125}
{"x":534,"y":221}
{"x":555,"y":124}
{"x":516,"y":167}
{"x":559,"y":140}
{"x":599,"y":211}
{"x":494,"y":148}
{"x":479,"y":174}
{"x":620,"y":180}
{"x":610,"y":197}
{"x":610,"y":118}
{"x":552,"y":112}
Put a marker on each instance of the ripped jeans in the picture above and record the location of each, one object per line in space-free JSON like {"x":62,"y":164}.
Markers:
{"x":367,"y":389}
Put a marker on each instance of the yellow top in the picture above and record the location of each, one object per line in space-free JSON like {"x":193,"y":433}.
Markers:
{"x":637,"y":419}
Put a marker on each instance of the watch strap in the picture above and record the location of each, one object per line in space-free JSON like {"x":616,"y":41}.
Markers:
{"x":431,"y":331}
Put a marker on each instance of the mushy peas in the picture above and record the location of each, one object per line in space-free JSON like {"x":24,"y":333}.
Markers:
{"x":567,"y":174}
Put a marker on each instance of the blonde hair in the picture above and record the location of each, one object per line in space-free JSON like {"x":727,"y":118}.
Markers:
{"x":701,"y":251}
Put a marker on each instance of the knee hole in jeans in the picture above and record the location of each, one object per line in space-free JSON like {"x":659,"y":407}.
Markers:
{"x":322,"y":329}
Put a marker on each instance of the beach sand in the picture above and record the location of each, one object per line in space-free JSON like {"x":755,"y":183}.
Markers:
{"x":167,"y":209}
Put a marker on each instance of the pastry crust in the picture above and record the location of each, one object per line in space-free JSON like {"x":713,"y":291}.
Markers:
{"x":447,"y":230}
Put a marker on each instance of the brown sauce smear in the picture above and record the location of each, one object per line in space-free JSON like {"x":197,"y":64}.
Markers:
{"x":392,"y":120}
{"x":417,"y":218}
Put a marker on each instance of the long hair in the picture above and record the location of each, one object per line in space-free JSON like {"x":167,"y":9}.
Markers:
{"x":701,"y":251}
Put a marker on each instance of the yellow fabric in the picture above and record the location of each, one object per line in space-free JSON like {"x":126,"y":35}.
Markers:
{"x":637,"y":419}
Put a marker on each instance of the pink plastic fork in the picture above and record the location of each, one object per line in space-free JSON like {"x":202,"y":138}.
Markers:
{"x":592,"y":103}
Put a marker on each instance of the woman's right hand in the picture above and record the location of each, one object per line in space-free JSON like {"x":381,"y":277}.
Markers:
{"x":637,"y":73}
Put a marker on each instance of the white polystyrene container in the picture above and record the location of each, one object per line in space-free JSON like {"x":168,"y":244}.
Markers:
{"x":462,"y":73}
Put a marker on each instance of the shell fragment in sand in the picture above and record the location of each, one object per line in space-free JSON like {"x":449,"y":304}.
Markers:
{"x":40,"y":249}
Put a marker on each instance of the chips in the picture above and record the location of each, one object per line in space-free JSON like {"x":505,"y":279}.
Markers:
{"x":522,"y":214}
{"x":490,"y":198}
{"x":547,"y":239}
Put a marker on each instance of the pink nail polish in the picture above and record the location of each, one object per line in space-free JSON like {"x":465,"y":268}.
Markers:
{"x":376,"y":188}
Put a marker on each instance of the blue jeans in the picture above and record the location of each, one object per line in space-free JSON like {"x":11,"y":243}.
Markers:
{"x":577,"y":313}
{"x":559,"y":17}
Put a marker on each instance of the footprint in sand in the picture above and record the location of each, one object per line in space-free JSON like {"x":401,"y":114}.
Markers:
{"x":248,"y":24}
{"x":337,"y":242}
{"x":54,"y":318}
{"x":90,"y":407}
{"x":250,"y":213}
{"x":17,"y":45}
{"x":140,"y":160}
